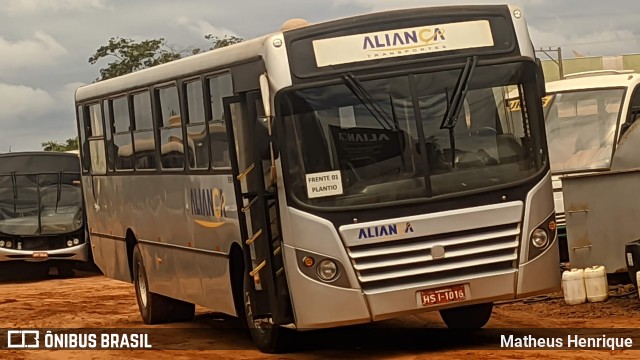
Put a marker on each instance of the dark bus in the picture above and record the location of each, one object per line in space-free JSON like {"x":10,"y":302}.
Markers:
{"x":42,"y":216}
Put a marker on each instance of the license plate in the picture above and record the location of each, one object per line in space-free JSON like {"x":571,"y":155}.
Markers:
{"x":442,"y":295}
{"x":39,"y":255}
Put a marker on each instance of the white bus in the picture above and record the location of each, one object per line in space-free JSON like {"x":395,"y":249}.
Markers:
{"x":42,"y":215}
{"x":337,"y":173}
{"x":589,"y":117}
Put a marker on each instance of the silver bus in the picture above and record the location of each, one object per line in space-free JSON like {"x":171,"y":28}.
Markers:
{"x":330,"y":174}
{"x":42,"y":215}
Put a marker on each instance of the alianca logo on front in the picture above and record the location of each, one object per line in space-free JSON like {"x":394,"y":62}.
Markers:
{"x":383,"y":231}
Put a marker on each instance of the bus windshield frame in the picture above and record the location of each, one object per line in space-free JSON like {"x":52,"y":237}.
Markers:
{"x":363,"y":166}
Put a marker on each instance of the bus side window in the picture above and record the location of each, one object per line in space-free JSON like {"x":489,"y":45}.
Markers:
{"x":219,"y":87}
{"x":96,"y":140}
{"x":122,"y":144}
{"x":144,"y":144}
{"x":84,"y":131}
{"x":198,"y":154}
{"x":108,"y":133}
{"x":171,"y":144}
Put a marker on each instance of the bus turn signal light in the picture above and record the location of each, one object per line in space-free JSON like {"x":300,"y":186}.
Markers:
{"x":308,"y":261}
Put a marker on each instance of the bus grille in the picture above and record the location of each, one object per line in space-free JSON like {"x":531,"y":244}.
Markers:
{"x":408,"y":262}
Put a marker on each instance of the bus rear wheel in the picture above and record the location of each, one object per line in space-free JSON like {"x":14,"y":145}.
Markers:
{"x":467,"y":317}
{"x":267,"y":337}
{"x":156,"y":308}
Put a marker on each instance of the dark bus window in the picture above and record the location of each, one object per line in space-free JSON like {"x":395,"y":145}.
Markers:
{"x":95,"y":119}
{"x":96,"y":142}
{"x":145,"y":150}
{"x":196,"y":131}
{"x":121,"y":120}
{"x":108,"y":134}
{"x":122,"y":147}
{"x":142,"y":111}
{"x":219,"y":88}
{"x":144,"y":145}
{"x":84,"y":145}
{"x":171,"y":144}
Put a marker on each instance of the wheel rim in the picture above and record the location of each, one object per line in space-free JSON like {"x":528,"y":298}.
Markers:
{"x":142,"y":287}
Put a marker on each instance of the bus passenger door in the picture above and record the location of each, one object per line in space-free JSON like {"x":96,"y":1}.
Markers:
{"x":258,"y":208}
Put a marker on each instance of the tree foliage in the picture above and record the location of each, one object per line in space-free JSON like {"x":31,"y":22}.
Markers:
{"x":128,"y":55}
{"x":220,"y":42}
{"x":51,"y":145}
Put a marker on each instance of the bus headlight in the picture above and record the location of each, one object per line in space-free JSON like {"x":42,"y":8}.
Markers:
{"x":77,"y":220}
{"x":76,"y":241}
{"x":539,"y":238}
{"x":327,"y":270}
{"x":9,"y":244}
{"x":69,"y":243}
{"x":1,"y":243}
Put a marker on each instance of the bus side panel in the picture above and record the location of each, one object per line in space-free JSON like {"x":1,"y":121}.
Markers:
{"x":107,"y":237}
{"x":184,"y":227}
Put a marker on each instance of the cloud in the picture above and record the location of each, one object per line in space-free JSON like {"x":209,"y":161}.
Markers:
{"x":380,"y":5}
{"x":42,"y":49}
{"x":22,"y":102}
{"x":16,"y":7}
{"x":203,"y":27}
{"x":35,"y":115}
{"x":604,"y":42}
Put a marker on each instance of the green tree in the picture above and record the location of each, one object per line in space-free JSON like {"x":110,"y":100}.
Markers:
{"x":51,"y":145}
{"x":129,"y":55}
{"x":219,"y":42}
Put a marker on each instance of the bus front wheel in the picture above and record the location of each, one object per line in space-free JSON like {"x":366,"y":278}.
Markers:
{"x":267,"y":337}
{"x":467,"y":317}
{"x":156,"y":308}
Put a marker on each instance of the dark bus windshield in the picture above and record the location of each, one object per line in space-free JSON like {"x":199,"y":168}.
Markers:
{"x":390,"y":143}
{"x":40,"y":195}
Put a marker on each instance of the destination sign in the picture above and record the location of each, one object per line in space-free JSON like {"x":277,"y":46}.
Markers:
{"x":403,"y":42}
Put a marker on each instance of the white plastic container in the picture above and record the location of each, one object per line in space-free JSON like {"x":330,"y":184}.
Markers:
{"x":596,"y":284}
{"x":573,"y":287}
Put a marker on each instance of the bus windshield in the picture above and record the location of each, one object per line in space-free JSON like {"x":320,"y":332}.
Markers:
{"x":40,"y":204}
{"x":581,"y":127}
{"x":344,"y":148}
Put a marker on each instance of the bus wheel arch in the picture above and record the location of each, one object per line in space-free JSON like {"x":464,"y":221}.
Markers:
{"x":155,"y":308}
{"x":236,"y":277}
{"x":131,"y":242}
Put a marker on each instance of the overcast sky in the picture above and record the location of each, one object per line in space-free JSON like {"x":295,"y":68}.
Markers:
{"x":45,"y":44}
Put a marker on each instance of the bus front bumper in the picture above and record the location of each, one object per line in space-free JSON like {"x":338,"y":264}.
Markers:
{"x":321,"y":305}
{"x":72,"y":253}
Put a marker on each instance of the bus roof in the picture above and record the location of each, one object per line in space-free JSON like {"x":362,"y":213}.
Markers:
{"x":594,"y":81}
{"x":237,"y":53}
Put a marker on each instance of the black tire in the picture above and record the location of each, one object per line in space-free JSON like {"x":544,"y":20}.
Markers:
{"x":467,"y":317}
{"x":156,"y":308}
{"x":268,"y":338}
{"x":65,"y":271}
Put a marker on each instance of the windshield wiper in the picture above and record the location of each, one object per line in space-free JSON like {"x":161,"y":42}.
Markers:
{"x":455,"y":103}
{"x":58,"y":189}
{"x":14,"y":185}
{"x":365,"y":98}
